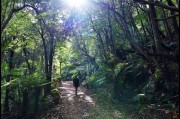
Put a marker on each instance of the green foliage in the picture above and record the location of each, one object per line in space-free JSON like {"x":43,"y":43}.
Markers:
{"x":4,"y":69}
{"x":55,"y":91}
{"x":117,"y":47}
{"x":100,"y":77}
{"x":158,"y":74}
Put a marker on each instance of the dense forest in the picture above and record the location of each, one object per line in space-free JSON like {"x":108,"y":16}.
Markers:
{"x":124,"y":51}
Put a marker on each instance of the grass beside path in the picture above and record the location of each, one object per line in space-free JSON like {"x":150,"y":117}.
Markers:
{"x":107,"y":108}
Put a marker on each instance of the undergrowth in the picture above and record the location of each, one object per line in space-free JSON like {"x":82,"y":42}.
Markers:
{"x":109,"y":108}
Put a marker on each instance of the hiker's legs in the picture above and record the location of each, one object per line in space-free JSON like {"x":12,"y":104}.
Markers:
{"x":76,"y":90}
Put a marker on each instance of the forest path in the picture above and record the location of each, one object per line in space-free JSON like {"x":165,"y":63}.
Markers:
{"x":83,"y":106}
{"x":75,"y":107}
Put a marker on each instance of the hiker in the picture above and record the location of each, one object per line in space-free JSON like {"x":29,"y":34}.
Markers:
{"x":76,"y":84}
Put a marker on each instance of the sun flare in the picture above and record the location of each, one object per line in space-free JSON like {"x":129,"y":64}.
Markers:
{"x":76,"y":3}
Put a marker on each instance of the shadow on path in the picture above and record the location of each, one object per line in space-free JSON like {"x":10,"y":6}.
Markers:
{"x":75,"y":107}
{"x":68,"y":92}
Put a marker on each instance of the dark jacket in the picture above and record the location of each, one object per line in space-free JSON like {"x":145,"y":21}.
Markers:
{"x":76,"y":82}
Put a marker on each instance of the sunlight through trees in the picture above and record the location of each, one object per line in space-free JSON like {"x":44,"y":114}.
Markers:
{"x":127,"y":49}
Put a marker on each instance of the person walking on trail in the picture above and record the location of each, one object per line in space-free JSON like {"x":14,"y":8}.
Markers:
{"x":76,"y":84}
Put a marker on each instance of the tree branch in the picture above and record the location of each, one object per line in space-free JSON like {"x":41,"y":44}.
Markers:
{"x":13,"y":10}
{"x":158,"y":4}
{"x":164,"y":18}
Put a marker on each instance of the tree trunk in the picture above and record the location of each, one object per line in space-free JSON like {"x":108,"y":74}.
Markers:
{"x":6,"y":103}
{"x":143,"y":27}
{"x":98,"y":34}
{"x":175,"y":24}
{"x":11,"y":66}
{"x":25,"y":103}
{"x":112,"y":46}
{"x":46,"y":92}
{"x":155,"y":29}
{"x":49,"y":73}
{"x":104,"y":56}
{"x":167,"y":28}
{"x":36,"y":103}
{"x":60,"y":63}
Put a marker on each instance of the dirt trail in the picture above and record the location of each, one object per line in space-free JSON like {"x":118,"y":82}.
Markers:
{"x":82,"y":106}
{"x":75,"y":107}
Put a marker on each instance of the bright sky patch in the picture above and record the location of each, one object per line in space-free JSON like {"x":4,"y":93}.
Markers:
{"x":76,"y":3}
